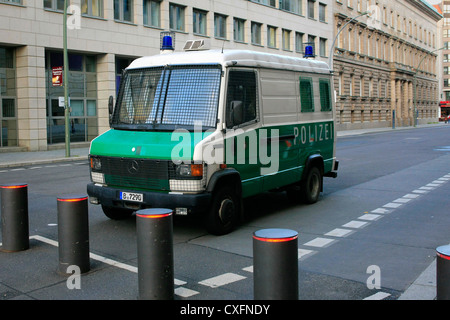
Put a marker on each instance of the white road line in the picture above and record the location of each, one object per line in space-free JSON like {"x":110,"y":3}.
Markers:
{"x":370,"y":217}
{"x":378,"y":296}
{"x":248,"y":269}
{"x":392,"y":205}
{"x":355,"y":224}
{"x":411,"y":196}
{"x":401,"y":200}
{"x":102,"y":259}
{"x":420,"y":191}
{"x":381,"y":210}
{"x":319,"y":242}
{"x":185,"y":293}
{"x":222,"y":280}
{"x":338,"y":232}
{"x":303,"y":253}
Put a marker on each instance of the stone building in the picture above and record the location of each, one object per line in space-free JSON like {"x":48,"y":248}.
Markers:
{"x":104,"y":36}
{"x":382,"y":61}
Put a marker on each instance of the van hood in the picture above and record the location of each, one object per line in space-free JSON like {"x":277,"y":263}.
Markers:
{"x":149,"y":145}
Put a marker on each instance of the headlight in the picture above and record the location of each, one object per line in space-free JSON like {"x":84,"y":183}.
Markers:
{"x":96,"y":164}
{"x":190,"y":170}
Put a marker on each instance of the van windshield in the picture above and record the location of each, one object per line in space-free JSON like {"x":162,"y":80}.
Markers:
{"x":167,"y":98}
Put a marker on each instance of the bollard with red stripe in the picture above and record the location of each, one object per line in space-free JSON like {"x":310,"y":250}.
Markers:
{"x":443,"y":273}
{"x":14,"y":210}
{"x":73,"y":233}
{"x":154,"y":230}
{"x":275,"y":264}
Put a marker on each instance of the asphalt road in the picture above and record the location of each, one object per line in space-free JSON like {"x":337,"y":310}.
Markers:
{"x":373,"y":232}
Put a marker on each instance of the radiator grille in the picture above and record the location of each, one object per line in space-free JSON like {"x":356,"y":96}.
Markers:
{"x":136,"y":173}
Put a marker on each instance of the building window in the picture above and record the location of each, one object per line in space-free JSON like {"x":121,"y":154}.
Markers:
{"x":83,"y":98}
{"x":294,"y":6}
{"x":286,"y":38}
{"x":176,"y":17}
{"x":266,"y":2}
{"x":8,"y":120}
{"x":54,"y":4}
{"x":199,"y":22}
{"x":220,"y":26}
{"x":306,"y":94}
{"x":322,"y":47}
{"x":271,"y":37}
{"x":299,"y":42}
{"x":311,"y":11}
{"x":256,"y":33}
{"x":123,"y":10}
{"x":12,"y":1}
{"x":322,"y":12}
{"x":239,"y":30}
{"x":92,"y":8}
{"x":152,"y":13}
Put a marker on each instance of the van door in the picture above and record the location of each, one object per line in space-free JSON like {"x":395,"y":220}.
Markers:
{"x":242,"y":122}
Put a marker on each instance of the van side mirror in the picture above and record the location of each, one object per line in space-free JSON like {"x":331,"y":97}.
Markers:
{"x":237,"y":112}
{"x":110,"y":108}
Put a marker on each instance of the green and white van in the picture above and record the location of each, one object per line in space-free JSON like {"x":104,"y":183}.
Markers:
{"x":199,"y":131}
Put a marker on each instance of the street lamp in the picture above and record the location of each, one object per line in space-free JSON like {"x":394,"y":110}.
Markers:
{"x":337,"y":34}
{"x":414,"y":83}
{"x":66,"y":83}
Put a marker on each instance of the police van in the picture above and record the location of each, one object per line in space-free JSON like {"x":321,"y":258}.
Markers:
{"x":199,"y":131}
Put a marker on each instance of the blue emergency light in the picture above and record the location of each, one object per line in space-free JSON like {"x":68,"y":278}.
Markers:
{"x":309,"y":52}
{"x":167,"y":41}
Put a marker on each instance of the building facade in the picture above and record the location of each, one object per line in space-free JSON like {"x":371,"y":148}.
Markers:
{"x":104,"y":36}
{"x":385,"y":64}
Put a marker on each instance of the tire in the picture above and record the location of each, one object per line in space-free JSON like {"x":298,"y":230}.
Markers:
{"x":311,"y":186}
{"x":224,"y":212}
{"x":116,"y":213}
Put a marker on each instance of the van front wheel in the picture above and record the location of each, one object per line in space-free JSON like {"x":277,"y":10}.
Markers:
{"x":224,"y":212}
{"x":116,"y":213}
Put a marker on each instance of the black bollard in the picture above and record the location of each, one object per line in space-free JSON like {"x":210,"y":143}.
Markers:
{"x":15,"y":231}
{"x":73,"y":233}
{"x":443,"y":273}
{"x":275,"y":264}
{"x":155,"y":254}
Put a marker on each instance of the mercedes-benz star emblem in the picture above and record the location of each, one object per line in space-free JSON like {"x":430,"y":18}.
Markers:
{"x":133,"y":167}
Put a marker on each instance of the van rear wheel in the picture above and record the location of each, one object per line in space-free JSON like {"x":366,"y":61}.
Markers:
{"x":311,"y":186}
{"x":224,"y":212}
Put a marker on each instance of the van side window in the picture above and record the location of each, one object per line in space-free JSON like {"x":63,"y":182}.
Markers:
{"x":325,"y":94}
{"x":241,"y":98}
{"x":306,"y":94}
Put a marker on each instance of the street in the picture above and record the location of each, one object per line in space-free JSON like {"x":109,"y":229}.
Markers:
{"x":372,"y":233}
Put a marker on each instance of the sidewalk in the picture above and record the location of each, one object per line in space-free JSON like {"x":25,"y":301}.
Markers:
{"x":424,"y":288}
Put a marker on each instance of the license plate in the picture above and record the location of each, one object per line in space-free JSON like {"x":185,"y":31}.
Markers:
{"x":131,"y":196}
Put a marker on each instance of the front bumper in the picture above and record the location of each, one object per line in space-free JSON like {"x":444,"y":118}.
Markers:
{"x":110,"y":197}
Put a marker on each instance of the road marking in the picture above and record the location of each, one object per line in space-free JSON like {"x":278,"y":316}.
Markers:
{"x":411,"y":196}
{"x":338,"y":232}
{"x":370,"y":217}
{"x":392,"y":205}
{"x":402,"y":200}
{"x":355,"y":224}
{"x":221,"y":280}
{"x":378,"y":296}
{"x":319,"y":242}
{"x":184,"y":292}
{"x":381,"y":210}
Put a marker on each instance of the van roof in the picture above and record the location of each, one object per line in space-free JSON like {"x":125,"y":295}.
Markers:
{"x":237,"y":58}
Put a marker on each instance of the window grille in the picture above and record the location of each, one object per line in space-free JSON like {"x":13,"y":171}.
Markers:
{"x":171,"y":97}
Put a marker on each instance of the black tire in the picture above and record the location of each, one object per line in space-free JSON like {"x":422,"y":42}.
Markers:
{"x":224,"y":212}
{"x":311,"y":185}
{"x":116,"y":213}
